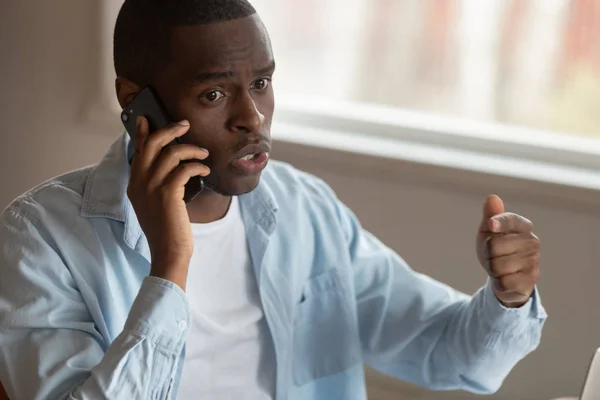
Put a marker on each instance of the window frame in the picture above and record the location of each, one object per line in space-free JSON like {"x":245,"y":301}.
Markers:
{"x":398,"y":134}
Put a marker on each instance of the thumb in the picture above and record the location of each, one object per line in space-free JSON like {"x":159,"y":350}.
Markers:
{"x":493,"y":206}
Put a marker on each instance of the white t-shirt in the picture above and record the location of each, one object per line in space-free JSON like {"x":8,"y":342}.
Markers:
{"x":229,"y":350}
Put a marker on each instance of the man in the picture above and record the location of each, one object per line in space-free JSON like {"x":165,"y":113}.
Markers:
{"x":262,"y":287}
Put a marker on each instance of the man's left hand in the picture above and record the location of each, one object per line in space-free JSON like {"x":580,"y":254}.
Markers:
{"x":509,"y":252}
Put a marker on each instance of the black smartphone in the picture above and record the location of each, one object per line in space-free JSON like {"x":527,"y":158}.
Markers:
{"x":147,"y":104}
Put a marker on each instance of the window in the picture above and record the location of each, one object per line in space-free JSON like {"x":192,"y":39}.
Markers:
{"x":505,"y":87}
{"x":530,"y":63}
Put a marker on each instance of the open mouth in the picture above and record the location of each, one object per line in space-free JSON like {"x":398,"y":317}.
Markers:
{"x":249,"y":157}
{"x":251,"y":164}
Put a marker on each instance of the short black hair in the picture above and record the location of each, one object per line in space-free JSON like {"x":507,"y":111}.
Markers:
{"x":141,"y":46}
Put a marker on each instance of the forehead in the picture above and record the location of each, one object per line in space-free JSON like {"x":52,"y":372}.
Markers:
{"x":221,"y":46}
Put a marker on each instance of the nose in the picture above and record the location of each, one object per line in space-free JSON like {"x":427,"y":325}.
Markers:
{"x":245,"y":115}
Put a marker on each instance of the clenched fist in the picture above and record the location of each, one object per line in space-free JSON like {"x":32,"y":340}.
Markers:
{"x":509,"y":252}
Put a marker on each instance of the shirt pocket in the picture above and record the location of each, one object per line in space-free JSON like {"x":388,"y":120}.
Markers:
{"x":326,"y":340}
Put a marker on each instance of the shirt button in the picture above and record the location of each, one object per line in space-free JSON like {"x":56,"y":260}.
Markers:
{"x":183,"y":325}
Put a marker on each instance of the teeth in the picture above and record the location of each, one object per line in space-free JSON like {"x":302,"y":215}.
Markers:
{"x":248,"y":157}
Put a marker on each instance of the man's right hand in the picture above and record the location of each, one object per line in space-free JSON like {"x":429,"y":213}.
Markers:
{"x":156,"y":189}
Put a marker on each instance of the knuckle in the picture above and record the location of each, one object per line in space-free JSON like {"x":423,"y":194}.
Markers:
{"x":506,"y":283}
{"x":153,"y":139}
{"x":150,"y":187}
{"x":531,"y":244}
{"x":194,"y":168}
{"x":521,"y":220}
{"x":159,"y":139}
{"x":529,"y":223}
{"x":496,"y":268}
{"x":493,"y":244}
{"x":502,"y":219}
{"x":503,"y":284}
{"x":172,"y":151}
{"x":188,"y":168}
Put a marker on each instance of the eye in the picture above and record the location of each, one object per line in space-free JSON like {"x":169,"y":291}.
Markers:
{"x":213,"y":96}
{"x":262,"y":84}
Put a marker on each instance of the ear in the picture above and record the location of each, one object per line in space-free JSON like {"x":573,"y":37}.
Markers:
{"x":126,"y":91}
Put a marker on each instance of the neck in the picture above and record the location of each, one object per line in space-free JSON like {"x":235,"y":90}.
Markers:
{"x":207,"y":207}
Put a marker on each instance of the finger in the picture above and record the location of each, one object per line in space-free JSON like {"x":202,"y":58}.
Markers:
{"x":158,"y":140}
{"x":501,"y":245}
{"x":141,"y":135}
{"x":515,"y":263}
{"x":172,"y":156}
{"x":510,"y":223}
{"x":518,"y":283}
{"x":493,"y":206}
{"x":182,"y":174}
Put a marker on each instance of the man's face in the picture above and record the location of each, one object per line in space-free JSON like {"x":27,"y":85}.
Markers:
{"x":219,"y":79}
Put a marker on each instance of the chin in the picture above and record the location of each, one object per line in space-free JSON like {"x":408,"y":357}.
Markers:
{"x":236,"y":186}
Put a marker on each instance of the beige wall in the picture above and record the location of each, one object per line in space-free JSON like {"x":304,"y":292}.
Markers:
{"x":48,"y":55}
{"x":431,"y":221}
{"x":47,"y":66}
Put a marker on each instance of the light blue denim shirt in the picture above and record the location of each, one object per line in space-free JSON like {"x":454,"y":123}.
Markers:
{"x":81,"y":319}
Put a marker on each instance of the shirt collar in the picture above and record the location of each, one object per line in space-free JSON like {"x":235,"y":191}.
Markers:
{"x":106,"y":187}
{"x":106,"y":196}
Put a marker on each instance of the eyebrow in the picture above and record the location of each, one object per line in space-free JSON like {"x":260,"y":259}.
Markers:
{"x":268,"y":69}
{"x":215,"y":76}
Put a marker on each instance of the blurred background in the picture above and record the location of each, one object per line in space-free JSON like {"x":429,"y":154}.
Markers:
{"x":412,"y":110}
{"x":528,"y":62}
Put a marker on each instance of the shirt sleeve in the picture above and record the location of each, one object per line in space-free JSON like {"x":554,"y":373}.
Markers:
{"x":427,"y":333}
{"x":49,"y":346}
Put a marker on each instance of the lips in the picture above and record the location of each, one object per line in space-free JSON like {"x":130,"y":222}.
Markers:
{"x":262,"y":147}
{"x":252,"y":159}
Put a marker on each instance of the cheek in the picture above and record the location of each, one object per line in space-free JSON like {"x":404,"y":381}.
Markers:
{"x":203,"y":120}
{"x":213,"y":138}
{"x":206,"y":126}
{"x":202,"y":136}
{"x":205,"y":129}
